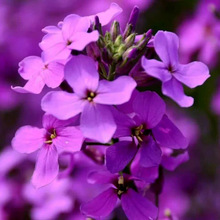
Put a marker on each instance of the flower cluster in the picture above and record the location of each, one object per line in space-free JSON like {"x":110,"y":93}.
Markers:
{"x":103,"y":108}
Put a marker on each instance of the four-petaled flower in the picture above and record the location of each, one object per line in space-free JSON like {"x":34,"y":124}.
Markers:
{"x":171,"y":72}
{"x":55,"y":137}
{"x":92,"y":98}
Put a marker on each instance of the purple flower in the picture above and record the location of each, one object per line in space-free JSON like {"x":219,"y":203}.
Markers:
{"x":38,"y":72}
{"x":149,"y":128}
{"x":134,"y":205}
{"x":52,"y":139}
{"x":92,"y":98}
{"x":171,"y":72}
{"x":72,"y":34}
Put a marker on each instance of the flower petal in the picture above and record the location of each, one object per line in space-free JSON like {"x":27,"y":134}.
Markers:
{"x":72,"y":24}
{"x":34,"y":85}
{"x":106,"y":16}
{"x":47,"y":167}
{"x":82,"y":75}
{"x":50,"y":122}
{"x":150,"y":108}
{"x":168,"y":135}
{"x":150,"y":153}
{"x":101,"y":177}
{"x":28,"y":139}
{"x":192,"y":74}
{"x":102,"y":205}
{"x":97,"y":122}
{"x":82,"y":39}
{"x":156,"y":69}
{"x":124,"y":124}
{"x":148,"y":174}
{"x":137,"y":207}
{"x":53,"y":75}
{"x":115,"y":92}
{"x":119,"y":155}
{"x":174,"y":90}
{"x":29,"y":66}
{"x":166,"y":45}
{"x":68,"y":139}
{"x":54,"y":47}
{"x":62,"y":105}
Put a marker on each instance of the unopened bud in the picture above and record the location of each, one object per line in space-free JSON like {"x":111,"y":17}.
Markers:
{"x":128,"y":30}
{"x":107,"y":36}
{"x":129,"y":41}
{"x":97,"y":25}
{"x":130,"y":54}
{"x":118,"y":41}
{"x":101,"y":41}
{"x":93,"y":50}
{"x":115,"y":30}
{"x":133,"y":17}
{"x":144,"y":40}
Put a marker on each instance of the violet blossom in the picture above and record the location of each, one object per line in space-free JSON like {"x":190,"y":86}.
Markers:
{"x":134,"y":205}
{"x":72,"y":34}
{"x":55,"y":137}
{"x":92,"y":98}
{"x":149,"y":128}
{"x":38,"y":72}
{"x":171,"y":72}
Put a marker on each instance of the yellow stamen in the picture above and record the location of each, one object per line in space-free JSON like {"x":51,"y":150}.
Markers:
{"x":121,"y":180}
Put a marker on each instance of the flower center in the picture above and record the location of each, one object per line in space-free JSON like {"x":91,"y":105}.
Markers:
{"x":121,"y":186}
{"x":138,"y":132}
{"x":50,"y":137}
{"x":68,"y":42}
{"x":171,"y":68}
{"x":90,"y":96}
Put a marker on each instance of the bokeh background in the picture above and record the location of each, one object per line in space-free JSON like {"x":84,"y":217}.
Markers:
{"x":192,"y":191}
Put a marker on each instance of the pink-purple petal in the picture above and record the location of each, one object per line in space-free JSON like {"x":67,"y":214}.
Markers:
{"x":124,"y":124}
{"x":119,"y":155}
{"x":174,"y":90}
{"x":51,"y":122}
{"x":46,"y":168}
{"x":30,"y":66}
{"x":81,"y":39}
{"x":62,"y":105}
{"x":115,"y":92}
{"x":137,"y":207}
{"x":28,"y":139}
{"x":101,"y":177}
{"x":97,"y":122}
{"x":68,"y":139}
{"x":82,"y":75}
{"x":156,"y":69}
{"x":106,"y":16}
{"x":102,"y":205}
{"x":166,"y":45}
{"x":192,"y":74}
{"x":150,"y":108}
{"x":168,"y":135}
{"x":150,"y":153}
{"x":53,"y":74}
{"x":34,"y":85}
{"x":72,"y":24}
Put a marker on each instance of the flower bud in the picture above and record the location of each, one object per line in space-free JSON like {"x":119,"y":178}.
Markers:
{"x":129,"y":41}
{"x":115,"y":30}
